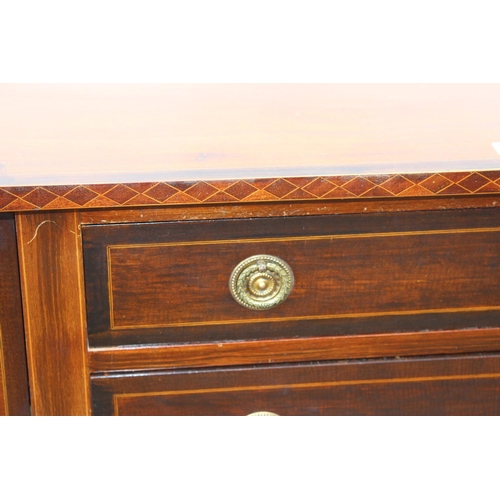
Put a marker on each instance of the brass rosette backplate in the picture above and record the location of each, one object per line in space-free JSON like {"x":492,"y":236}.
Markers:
{"x":261,"y":282}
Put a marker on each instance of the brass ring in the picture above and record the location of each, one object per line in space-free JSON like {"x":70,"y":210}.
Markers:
{"x":261,"y":282}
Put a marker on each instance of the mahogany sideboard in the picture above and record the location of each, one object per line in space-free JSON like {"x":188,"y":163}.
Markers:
{"x":313,"y":249}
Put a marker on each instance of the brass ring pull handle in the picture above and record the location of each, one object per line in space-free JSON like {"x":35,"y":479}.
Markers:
{"x":263,"y":414}
{"x":261,"y":282}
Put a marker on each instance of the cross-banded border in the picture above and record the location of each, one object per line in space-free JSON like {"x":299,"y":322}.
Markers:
{"x":15,"y":199}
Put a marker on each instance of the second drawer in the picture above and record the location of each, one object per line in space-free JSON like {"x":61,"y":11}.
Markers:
{"x":462,"y":385}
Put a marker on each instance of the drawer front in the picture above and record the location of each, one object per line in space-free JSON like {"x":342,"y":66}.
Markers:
{"x":169,"y":282}
{"x":468,"y":385}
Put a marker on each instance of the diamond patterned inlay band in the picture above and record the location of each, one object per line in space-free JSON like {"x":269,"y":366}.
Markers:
{"x":14,"y":199}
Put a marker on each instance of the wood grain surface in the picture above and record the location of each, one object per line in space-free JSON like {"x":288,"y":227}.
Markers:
{"x":14,"y":394}
{"x":66,"y":130}
{"x":283,"y":209}
{"x":213,"y":354}
{"x":461,"y":385}
{"x":354,"y":274}
{"x":90,"y":146}
{"x":51,"y":277}
{"x":3,"y":389}
{"x":420,"y":279}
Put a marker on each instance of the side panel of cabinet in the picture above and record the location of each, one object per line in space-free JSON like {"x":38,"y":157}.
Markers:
{"x":14,"y":397}
{"x":52,"y":287}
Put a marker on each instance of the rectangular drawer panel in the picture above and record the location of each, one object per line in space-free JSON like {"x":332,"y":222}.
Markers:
{"x":168,"y":282}
{"x":467,"y":385}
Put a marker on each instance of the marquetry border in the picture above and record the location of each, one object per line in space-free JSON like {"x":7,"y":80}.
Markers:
{"x":25,"y":198}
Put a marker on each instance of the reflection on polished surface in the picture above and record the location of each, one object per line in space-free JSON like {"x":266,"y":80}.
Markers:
{"x":74,"y":134}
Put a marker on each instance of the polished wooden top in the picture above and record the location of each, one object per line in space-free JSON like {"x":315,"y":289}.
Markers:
{"x":97,"y":133}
